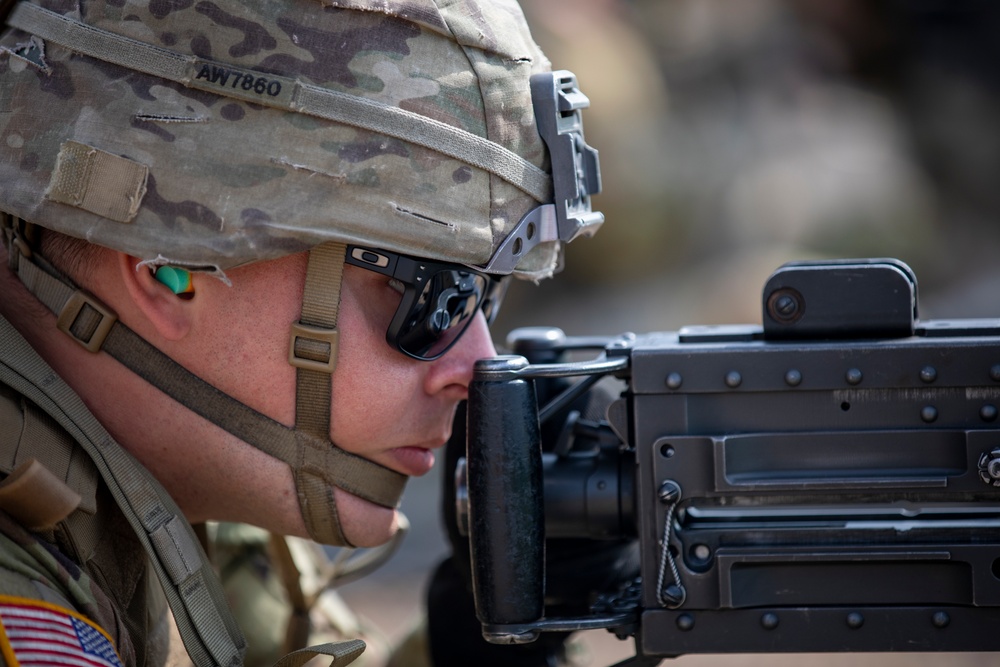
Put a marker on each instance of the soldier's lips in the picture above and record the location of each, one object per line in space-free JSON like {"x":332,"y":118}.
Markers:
{"x":412,"y":460}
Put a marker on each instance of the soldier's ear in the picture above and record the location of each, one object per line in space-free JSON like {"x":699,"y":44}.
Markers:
{"x":166,"y":309}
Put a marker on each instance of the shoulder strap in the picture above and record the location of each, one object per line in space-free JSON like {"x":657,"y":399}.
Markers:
{"x":206,"y":625}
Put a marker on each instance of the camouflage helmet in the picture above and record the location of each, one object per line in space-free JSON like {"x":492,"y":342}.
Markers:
{"x":215,"y":134}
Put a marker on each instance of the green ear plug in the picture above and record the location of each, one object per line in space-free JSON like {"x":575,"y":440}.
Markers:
{"x":177,"y":279}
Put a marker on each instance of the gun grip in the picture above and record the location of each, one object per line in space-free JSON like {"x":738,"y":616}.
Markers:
{"x":506,"y":514}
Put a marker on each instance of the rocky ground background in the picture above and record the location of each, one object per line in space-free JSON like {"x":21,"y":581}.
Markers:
{"x":736,"y":136}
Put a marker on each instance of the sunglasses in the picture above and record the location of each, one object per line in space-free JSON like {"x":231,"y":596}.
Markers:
{"x":439,"y":301}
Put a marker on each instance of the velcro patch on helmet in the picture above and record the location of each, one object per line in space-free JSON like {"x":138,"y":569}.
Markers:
{"x":97,"y":181}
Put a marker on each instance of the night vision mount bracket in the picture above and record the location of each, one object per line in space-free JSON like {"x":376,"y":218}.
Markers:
{"x":576,"y":174}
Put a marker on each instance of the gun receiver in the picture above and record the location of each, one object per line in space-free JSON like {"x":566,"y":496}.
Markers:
{"x":829,"y":481}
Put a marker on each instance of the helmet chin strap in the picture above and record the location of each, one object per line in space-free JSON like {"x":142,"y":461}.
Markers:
{"x":312,"y":351}
{"x":317,"y":464}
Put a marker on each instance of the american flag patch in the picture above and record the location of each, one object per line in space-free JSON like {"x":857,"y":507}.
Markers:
{"x":35,"y":633}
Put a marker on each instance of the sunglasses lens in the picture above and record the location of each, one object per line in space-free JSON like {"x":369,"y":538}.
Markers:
{"x":496,"y":290}
{"x":442,"y":311}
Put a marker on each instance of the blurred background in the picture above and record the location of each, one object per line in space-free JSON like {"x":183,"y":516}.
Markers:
{"x":734,"y":136}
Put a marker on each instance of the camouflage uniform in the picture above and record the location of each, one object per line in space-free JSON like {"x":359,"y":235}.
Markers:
{"x":258,"y":592}
{"x":91,"y":562}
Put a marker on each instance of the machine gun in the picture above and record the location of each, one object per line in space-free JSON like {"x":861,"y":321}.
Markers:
{"x":826,"y":482}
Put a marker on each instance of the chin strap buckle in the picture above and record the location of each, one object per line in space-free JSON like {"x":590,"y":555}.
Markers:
{"x":313,"y":348}
{"x":86,"y":320}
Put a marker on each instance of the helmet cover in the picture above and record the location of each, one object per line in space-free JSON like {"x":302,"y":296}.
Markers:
{"x":201,"y":178}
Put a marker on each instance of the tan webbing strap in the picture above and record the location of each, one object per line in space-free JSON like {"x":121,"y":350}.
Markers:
{"x":206,"y":625}
{"x":297,"y":631}
{"x":245,"y":423}
{"x":284,"y":93}
{"x":313,"y":348}
{"x":313,"y":352}
{"x":343,"y":653}
{"x":343,"y":469}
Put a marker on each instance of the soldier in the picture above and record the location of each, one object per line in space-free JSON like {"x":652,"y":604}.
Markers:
{"x":251,"y":252}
